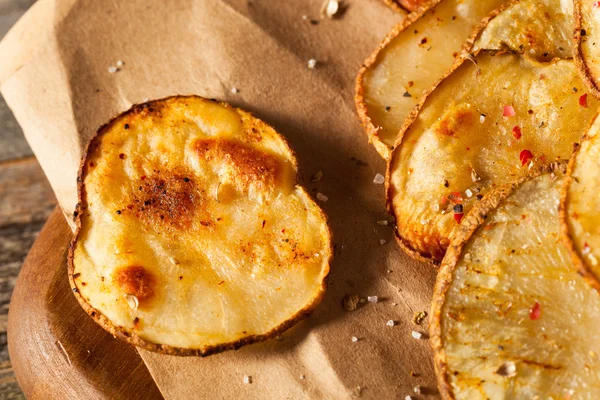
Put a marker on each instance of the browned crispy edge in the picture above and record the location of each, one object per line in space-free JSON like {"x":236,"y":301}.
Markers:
{"x":565,"y":227}
{"x":134,"y":339}
{"x":585,"y":73}
{"x":396,"y":5}
{"x":359,"y":99}
{"x":470,"y":223}
{"x":403,"y":243}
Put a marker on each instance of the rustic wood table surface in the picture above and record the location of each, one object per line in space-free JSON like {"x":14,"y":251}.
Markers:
{"x":26,"y":201}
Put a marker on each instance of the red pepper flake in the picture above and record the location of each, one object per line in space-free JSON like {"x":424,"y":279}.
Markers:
{"x":517,"y":132}
{"x":508,"y":111}
{"x":583,"y":100}
{"x":283,"y":230}
{"x":220,"y":283}
{"x":264,"y":222}
{"x":535,"y":312}
{"x":458,"y":218}
{"x":596,"y":4}
{"x":122,"y":156}
{"x":525,"y":156}
{"x":455,"y":197}
{"x":143,"y":177}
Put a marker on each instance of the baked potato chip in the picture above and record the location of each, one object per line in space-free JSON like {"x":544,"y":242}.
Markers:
{"x":483,"y":125}
{"x":587,"y":43}
{"x":412,"y":57}
{"x":581,"y":206}
{"x":193,"y":236}
{"x":540,"y":29}
{"x":410,"y":5}
{"x":511,"y":317}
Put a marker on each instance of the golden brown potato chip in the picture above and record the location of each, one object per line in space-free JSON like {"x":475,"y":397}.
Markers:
{"x":484,"y":125}
{"x":410,"y":5}
{"x":193,"y":236}
{"x":587,"y":42}
{"x":511,"y":316}
{"x":413,"y":56}
{"x":581,"y":205}
{"x":540,"y":29}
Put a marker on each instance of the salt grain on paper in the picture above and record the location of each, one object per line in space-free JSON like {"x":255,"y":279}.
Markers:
{"x":302,"y":377}
{"x":120,"y":63}
{"x":391,"y":322}
{"x":379,"y":179}
{"x":247,"y":380}
{"x":372,"y":299}
{"x":408,"y":398}
{"x":416,"y":335}
{"x":385,"y":222}
{"x":312,"y":63}
{"x":354,"y":339}
{"x":382,"y":241}
{"x":322,"y":197}
{"x":112,"y":70}
{"x":330,"y":8}
{"x":234,"y":90}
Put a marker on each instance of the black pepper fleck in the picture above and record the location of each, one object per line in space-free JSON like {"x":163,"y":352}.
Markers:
{"x":458,"y":208}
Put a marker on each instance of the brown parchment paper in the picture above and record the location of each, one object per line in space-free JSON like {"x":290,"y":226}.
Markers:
{"x":54,"y":76}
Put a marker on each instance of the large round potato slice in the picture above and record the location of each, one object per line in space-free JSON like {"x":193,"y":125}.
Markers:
{"x":414,"y":56}
{"x":512,"y":318}
{"x":587,"y":42}
{"x":193,"y":236}
{"x":581,"y":205}
{"x":484,"y":125}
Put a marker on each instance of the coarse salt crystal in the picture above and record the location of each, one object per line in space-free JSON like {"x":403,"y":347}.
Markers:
{"x":384,"y":222}
{"x":372,"y":299}
{"x":379,"y":179}
{"x":408,"y":398}
{"x":234,"y":90}
{"x":120,"y":63}
{"x":482,"y":118}
{"x":416,"y":335}
{"x":247,"y":379}
{"x":322,"y":197}
{"x":391,"y":322}
{"x":312,"y":63}
{"x":112,"y":69}
{"x":382,"y":241}
{"x":331,"y":8}
{"x":354,"y":339}
{"x":507,"y":369}
{"x":132,"y":301}
{"x":469,"y":193}
{"x":302,"y":377}
{"x":417,"y":389}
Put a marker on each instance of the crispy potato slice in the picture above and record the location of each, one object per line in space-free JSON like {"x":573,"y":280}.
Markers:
{"x":409,"y":5}
{"x":581,"y":206}
{"x":412,"y":57}
{"x":541,"y":29}
{"x":512,"y":318}
{"x":587,"y":43}
{"x":192,"y":236}
{"x":458,"y":145}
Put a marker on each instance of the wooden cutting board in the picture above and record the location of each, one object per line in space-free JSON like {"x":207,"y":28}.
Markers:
{"x":56,"y":350}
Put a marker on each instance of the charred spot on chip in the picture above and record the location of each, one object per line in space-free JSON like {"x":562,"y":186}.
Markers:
{"x":455,"y":121}
{"x":137,"y":281}
{"x":251,"y":166}
{"x":167,"y":198}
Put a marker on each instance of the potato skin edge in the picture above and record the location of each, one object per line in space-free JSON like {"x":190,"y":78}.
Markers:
{"x":132,"y":338}
{"x":578,"y":54}
{"x":565,"y":230}
{"x":463,"y":233}
{"x":359,"y":99}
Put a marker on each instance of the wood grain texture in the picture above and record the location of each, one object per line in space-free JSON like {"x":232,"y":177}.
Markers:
{"x":26,"y":201}
{"x":66,"y":355}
